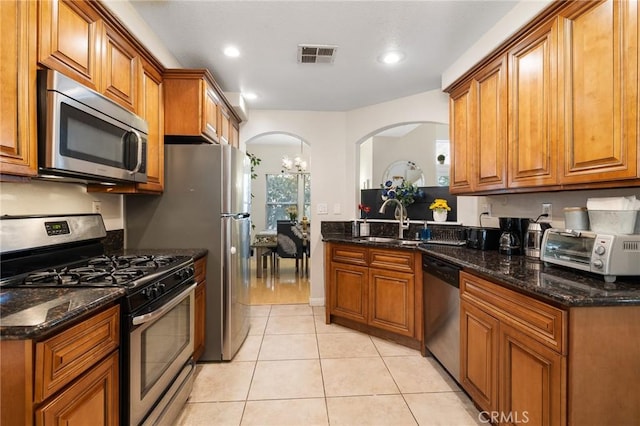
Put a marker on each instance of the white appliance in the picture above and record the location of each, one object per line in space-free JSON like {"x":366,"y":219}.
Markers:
{"x":205,"y":204}
{"x":605,"y":254}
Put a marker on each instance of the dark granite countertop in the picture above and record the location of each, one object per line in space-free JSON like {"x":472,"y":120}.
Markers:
{"x":560,"y":286}
{"x":28,"y":313}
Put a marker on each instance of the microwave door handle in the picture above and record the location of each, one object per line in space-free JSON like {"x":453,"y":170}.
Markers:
{"x":136,"y":169}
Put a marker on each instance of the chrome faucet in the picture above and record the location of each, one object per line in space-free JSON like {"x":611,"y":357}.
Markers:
{"x":401,"y":225}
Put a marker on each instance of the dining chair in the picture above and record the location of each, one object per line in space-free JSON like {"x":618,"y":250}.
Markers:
{"x":291,"y":244}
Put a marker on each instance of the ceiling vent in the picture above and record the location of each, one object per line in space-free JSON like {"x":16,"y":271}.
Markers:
{"x":316,"y":53}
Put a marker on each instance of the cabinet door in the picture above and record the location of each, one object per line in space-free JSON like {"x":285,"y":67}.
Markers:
{"x":92,"y":400}
{"x":70,"y":40}
{"x":600,"y":91}
{"x":210,"y":113}
{"x":461,"y":134}
{"x":18,"y":141}
{"x":533,"y":100}
{"x":392,"y":301}
{"x":479,"y":342}
{"x":234,"y":135}
{"x":491,"y":127}
{"x":224,"y":125}
{"x":532,"y":381}
{"x":120,"y":69}
{"x":200,"y":320}
{"x":151,"y":108}
{"x":349,"y":291}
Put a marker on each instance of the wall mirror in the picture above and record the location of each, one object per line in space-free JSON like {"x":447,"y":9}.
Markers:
{"x":403,"y":171}
{"x":417,"y":152}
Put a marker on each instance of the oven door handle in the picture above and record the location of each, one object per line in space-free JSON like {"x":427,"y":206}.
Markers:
{"x":152,"y":316}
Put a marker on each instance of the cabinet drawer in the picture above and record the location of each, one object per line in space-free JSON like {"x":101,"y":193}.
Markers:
{"x":542,"y":322}
{"x":349,"y":254}
{"x":200,"y":266}
{"x":67,"y":355}
{"x":396,"y":260}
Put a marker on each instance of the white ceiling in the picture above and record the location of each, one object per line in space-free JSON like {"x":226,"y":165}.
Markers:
{"x":431,"y":34}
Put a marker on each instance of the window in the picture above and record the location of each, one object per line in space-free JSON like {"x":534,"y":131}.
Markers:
{"x":283,"y":192}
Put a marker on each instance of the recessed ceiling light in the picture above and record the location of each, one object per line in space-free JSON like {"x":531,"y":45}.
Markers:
{"x":391,"y":57}
{"x":249,"y":96}
{"x":232,"y":52}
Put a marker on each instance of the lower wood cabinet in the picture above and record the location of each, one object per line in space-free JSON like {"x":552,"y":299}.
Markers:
{"x":375,"y":290}
{"x":512,"y":353}
{"x":479,"y":348}
{"x":200,"y":307}
{"x":69,"y":378}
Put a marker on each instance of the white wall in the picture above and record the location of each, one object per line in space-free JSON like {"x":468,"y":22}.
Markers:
{"x":44,"y":197}
{"x":333,"y":139}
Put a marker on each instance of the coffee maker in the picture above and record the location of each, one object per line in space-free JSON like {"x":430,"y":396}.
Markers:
{"x":533,"y":237}
{"x":510,"y":242}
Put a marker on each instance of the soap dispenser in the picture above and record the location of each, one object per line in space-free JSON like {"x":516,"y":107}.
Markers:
{"x":425,"y":233}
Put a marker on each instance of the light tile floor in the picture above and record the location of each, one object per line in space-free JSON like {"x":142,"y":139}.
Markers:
{"x":293,"y":369}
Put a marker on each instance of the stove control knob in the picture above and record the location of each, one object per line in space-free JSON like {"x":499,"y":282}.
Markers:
{"x":600,"y":250}
{"x":147,"y":293}
{"x":597,"y":264}
{"x":161,"y":288}
{"x":155,"y":291}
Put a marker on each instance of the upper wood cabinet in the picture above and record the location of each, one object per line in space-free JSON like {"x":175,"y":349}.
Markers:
{"x":119,"y":69}
{"x":70,"y":40}
{"x":191,"y":105}
{"x":195,"y":107}
{"x":570,"y":80}
{"x":18,"y":140}
{"x":599,"y":83}
{"x":533,"y":103}
{"x":461,"y":132}
{"x":151,"y":108}
{"x":490,"y":126}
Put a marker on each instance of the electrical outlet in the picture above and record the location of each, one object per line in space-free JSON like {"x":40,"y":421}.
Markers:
{"x":96,"y":206}
{"x":546,"y":209}
{"x":486,"y":208}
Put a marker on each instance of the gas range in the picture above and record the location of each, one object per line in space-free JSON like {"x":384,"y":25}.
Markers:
{"x":66,"y":252}
{"x":157,"y":310}
{"x":127,"y":271}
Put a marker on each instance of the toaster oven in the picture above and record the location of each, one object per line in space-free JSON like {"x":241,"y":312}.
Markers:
{"x":609,"y":255}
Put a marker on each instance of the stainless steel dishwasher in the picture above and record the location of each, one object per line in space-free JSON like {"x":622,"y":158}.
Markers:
{"x":442,"y":312}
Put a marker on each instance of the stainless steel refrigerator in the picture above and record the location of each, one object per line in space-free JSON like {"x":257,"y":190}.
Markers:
{"x":205,"y":204}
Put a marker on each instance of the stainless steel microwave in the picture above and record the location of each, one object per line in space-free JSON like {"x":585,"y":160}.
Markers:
{"x":84,"y":135}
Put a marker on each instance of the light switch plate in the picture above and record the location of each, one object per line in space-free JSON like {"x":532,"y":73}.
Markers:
{"x":322,"y":208}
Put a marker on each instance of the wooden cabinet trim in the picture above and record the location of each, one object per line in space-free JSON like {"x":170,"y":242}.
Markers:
{"x":65,"y":356}
{"x":543,"y":322}
{"x":524,"y":361}
{"x":397,"y":260}
{"x":479,"y":350}
{"x":349,"y":291}
{"x":93,"y":399}
{"x":387,"y":286}
{"x":344,"y":253}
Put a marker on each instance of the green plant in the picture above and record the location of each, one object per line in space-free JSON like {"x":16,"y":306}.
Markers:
{"x":406,"y":193}
{"x":255,"y":162}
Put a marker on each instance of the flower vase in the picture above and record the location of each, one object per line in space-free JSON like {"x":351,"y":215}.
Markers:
{"x":440,"y":215}
{"x":364,"y":229}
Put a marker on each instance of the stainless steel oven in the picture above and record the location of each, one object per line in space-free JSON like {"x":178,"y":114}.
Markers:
{"x":160,"y":359}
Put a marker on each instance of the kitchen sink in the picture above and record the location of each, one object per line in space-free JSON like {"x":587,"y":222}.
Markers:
{"x":390,"y":240}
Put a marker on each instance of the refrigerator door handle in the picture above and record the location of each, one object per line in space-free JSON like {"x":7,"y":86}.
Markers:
{"x":236,"y":216}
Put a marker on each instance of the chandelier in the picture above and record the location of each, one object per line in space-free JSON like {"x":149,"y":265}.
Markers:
{"x":297,"y":165}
